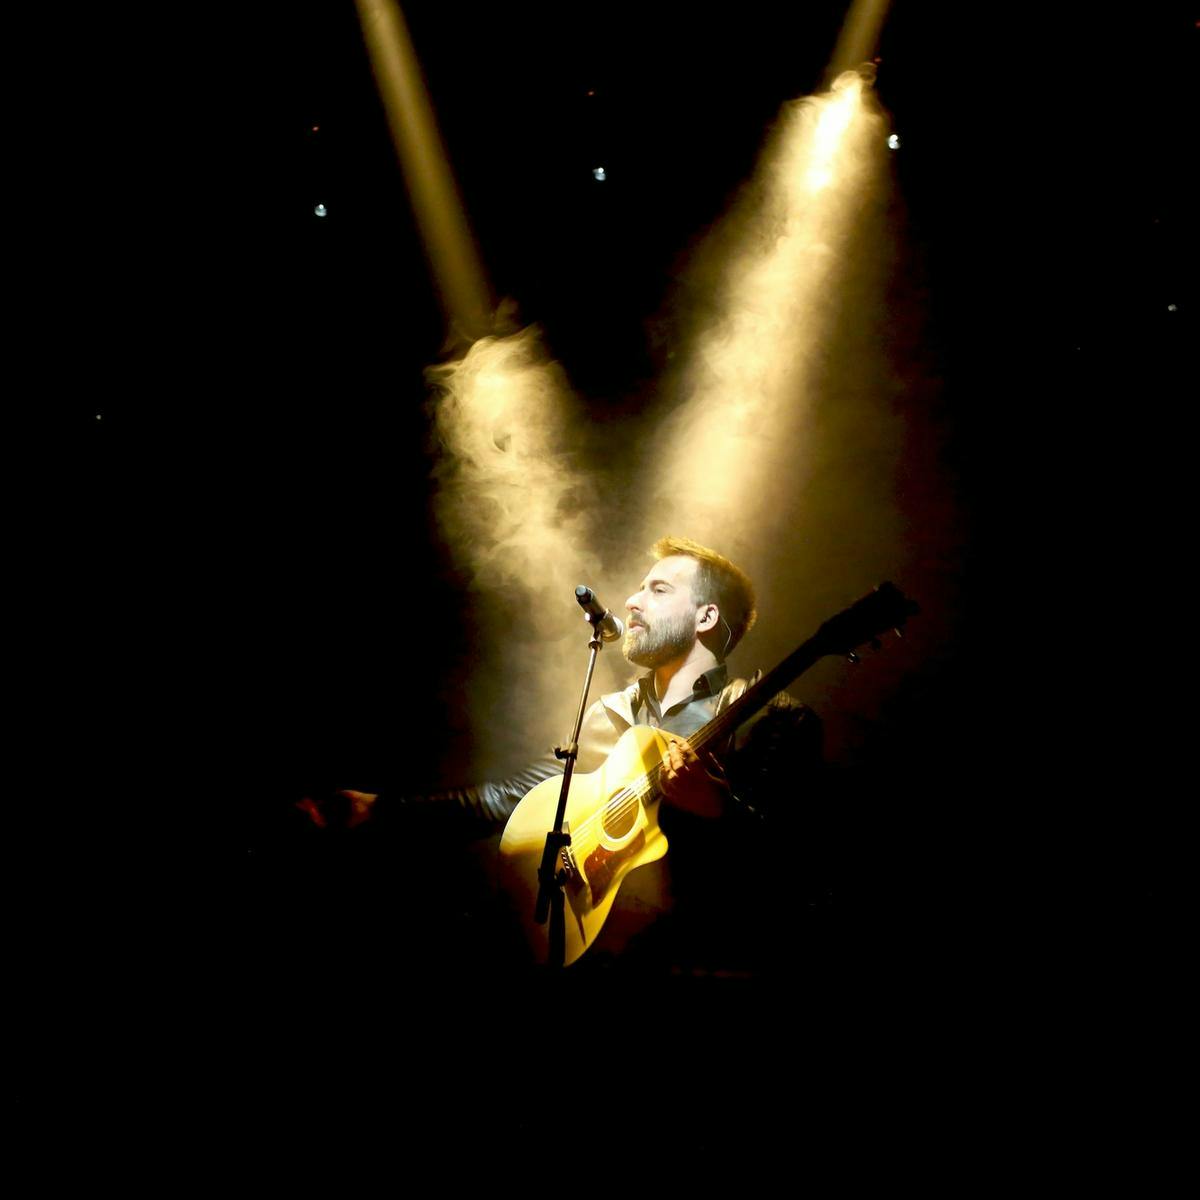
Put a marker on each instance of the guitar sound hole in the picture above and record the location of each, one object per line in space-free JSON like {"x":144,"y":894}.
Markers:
{"x":620,"y":816}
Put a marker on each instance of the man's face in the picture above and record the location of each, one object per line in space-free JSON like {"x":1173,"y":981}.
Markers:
{"x":662,"y":614}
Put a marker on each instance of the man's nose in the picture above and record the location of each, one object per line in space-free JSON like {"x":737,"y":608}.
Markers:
{"x":632,"y":602}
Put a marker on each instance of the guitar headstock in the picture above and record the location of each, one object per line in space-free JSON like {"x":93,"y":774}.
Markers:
{"x":887,"y":607}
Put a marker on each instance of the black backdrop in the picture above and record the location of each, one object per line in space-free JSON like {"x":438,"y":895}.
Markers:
{"x":227,"y":529}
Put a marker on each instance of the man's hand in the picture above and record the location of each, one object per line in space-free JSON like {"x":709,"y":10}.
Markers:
{"x":697,"y":786}
{"x":342,"y":809}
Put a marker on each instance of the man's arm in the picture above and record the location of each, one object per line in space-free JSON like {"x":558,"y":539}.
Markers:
{"x":776,"y":756}
{"x":473,"y":811}
{"x":779,"y":748}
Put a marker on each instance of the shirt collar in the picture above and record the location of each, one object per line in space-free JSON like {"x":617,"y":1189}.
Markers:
{"x":708,"y":684}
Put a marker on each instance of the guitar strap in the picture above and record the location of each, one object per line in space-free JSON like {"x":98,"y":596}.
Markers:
{"x":735,"y":692}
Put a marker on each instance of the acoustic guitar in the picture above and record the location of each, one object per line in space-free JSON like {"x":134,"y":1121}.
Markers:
{"x":612,"y":813}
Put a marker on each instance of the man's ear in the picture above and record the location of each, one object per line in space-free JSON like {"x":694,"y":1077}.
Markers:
{"x":709,"y":619}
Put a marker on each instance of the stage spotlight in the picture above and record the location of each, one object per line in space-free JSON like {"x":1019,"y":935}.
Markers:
{"x":321,"y":210}
{"x":893,"y":142}
{"x":599,"y":174}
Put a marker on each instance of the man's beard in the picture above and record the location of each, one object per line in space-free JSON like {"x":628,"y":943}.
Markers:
{"x":654,"y":645}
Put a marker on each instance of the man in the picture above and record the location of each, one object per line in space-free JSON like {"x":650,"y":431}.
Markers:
{"x":692,"y":608}
{"x":690,"y":611}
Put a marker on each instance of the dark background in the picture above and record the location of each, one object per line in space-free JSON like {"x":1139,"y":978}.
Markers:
{"x":247,"y":528}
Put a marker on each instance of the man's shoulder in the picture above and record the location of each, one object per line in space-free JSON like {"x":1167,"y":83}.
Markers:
{"x":622,"y":702}
{"x":782,"y":703}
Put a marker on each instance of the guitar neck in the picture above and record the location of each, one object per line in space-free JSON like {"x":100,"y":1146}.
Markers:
{"x":759,"y":696}
{"x":885,"y":607}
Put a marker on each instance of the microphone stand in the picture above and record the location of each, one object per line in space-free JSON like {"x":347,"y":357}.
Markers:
{"x":553,"y":872}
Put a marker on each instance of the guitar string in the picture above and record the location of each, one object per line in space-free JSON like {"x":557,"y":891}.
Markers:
{"x":617,"y":806}
{"x":620,"y":803}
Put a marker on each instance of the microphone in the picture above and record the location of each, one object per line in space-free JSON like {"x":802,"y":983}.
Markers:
{"x":605,"y":624}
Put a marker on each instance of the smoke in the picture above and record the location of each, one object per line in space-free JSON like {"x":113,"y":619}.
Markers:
{"x":501,"y":420}
{"x":518,"y":505}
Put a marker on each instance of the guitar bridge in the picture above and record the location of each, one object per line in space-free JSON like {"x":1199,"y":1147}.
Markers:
{"x":566,"y":859}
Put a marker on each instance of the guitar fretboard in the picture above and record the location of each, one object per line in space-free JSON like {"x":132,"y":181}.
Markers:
{"x":885,"y":607}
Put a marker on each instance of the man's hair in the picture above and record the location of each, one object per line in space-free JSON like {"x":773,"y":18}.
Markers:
{"x":717,"y":582}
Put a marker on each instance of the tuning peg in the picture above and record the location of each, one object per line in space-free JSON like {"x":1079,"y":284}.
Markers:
{"x":898,"y":631}
{"x":853,"y":657}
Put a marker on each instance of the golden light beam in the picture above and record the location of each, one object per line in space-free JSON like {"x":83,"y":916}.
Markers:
{"x":750,"y":391}
{"x":458,"y":273}
{"x":859,"y":36}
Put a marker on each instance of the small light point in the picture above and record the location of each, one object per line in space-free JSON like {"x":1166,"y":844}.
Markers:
{"x":894,"y":142}
{"x":599,"y":174}
{"x":321,"y":210}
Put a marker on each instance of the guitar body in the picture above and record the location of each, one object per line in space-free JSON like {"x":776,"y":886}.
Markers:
{"x":612,"y":814}
{"x":612,"y":817}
